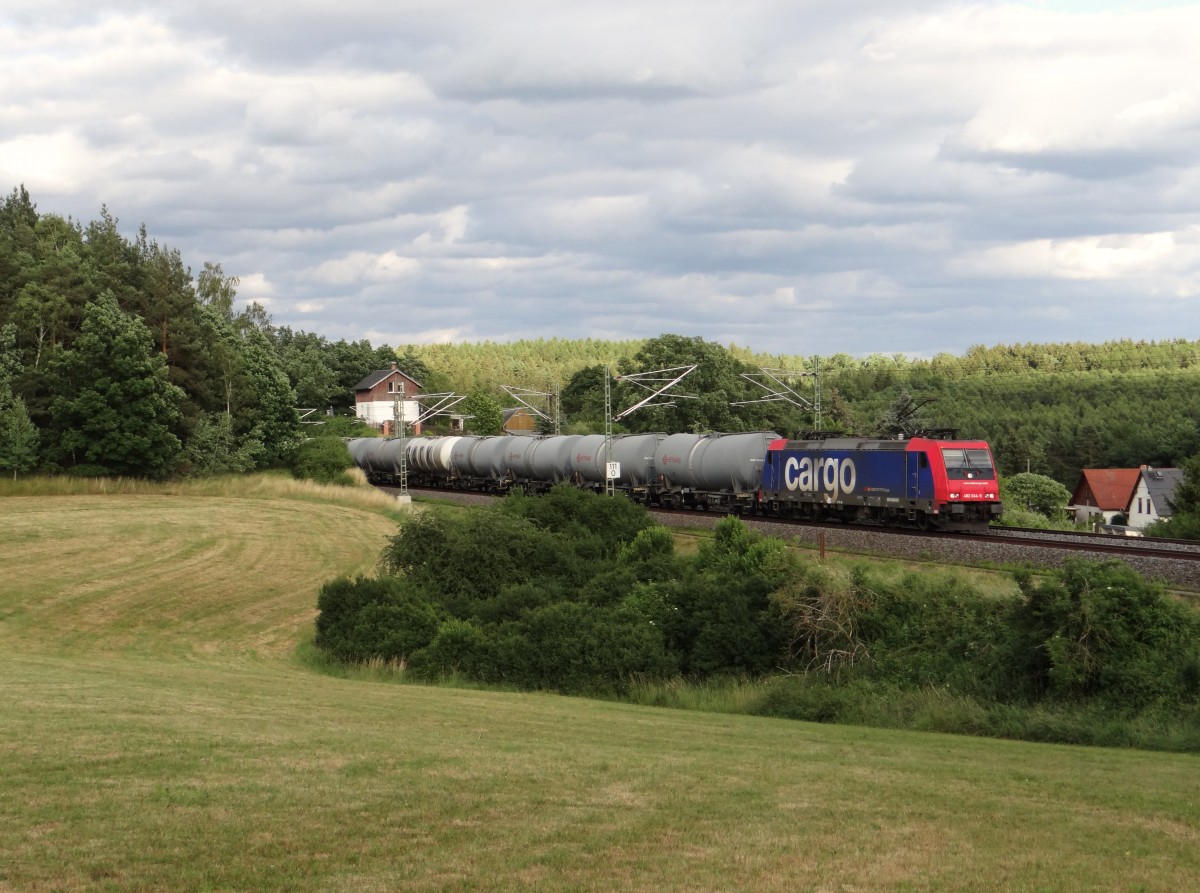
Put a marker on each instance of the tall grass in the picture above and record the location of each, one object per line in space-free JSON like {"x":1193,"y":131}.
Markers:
{"x":253,"y":486}
{"x":880,"y":705}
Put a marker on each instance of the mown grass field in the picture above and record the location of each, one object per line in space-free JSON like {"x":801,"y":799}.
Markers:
{"x":158,"y":731}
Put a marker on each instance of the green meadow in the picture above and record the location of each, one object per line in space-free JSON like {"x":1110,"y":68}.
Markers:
{"x":162,"y":727}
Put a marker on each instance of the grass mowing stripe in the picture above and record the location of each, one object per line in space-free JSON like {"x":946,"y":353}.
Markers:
{"x":158,"y":732}
{"x":279,"y":779}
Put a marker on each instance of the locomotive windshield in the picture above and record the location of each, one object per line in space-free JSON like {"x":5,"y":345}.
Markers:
{"x":968,"y":465}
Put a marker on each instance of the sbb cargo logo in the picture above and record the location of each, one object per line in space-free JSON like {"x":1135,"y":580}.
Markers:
{"x":830,"y":476}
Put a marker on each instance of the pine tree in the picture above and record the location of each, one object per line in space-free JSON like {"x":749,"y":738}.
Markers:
{"x":119,"y":410}
{"x":18,"y":435}
{"x":264,"y":404}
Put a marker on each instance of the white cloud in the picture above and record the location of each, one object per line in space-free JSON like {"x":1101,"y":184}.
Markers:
{"x":849,"y":176}
{"x":55,"y":163}
{"x":1111,"y":257}
{"x":362,"y":266}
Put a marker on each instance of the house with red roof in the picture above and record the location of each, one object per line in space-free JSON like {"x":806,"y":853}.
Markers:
{"x":1103,"y":493}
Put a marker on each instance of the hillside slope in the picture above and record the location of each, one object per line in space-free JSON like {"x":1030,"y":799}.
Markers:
{"x":157,"y":732}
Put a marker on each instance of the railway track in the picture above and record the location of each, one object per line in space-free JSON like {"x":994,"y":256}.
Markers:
{"x":1176,"y":563}
{"x":1084,"y":536}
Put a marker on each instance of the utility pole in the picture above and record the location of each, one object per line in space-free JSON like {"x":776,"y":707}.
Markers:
{"x":403,"y":497}
{"x":610,"y":479}
{"x":817,"y":389}
{"x":441,"y":404}
{"x":658,"y":382}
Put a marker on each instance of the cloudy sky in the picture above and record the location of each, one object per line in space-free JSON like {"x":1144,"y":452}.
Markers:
{"x":796,"y":176}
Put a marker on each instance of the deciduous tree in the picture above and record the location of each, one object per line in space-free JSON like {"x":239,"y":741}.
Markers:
{"x":1037,"y":493}
{"x":484,"y":416}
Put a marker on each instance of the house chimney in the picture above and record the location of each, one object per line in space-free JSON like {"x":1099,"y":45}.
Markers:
{"x":393,"y":367}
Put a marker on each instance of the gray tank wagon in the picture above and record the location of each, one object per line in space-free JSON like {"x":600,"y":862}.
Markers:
{"x":586,"y":462}
{"x":461,"y":455}
{"x":431,"y":455}
{"x":551,"y":459}
{"x":693,"y":470}
{"x":379,"y":457}
{"x":486,"y":463}
{"x":387,"y":456}
{"x":518,"y":458}
{"x":638,"y":456}
{"x":361,"y":450}
{"x":712,"y":470}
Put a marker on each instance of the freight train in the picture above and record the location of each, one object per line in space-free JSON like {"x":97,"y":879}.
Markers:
{"x":927,"y":482}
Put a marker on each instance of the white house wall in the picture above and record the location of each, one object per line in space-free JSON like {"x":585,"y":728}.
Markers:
{"x":1141,"y":507}
{"x":377,"y":412}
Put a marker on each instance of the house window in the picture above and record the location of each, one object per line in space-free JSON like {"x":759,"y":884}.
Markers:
{"x":1139,"y":505}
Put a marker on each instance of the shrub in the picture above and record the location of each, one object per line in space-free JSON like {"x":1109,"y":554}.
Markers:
{"x":936,"y":630}
{"x":821,"y":616}
{"x":458,"y":648}
{"x":344,"y":426}
{"x":368,"y":618}
{"x":723,"y":620}
{"x":599,"y":526}
{"x":322,"y":459}
{"x":811,"y":699}
{"x":1036,"y":493}
{"x":574,"y":648}
{"x":469,"y":558}
{"x":1184,"y":526}
{"x":1098,"y":629}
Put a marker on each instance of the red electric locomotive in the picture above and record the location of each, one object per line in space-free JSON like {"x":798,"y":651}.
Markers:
{"x":926,"y":482}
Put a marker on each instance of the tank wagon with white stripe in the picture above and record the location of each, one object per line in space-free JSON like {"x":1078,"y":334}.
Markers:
{"x":926,"y":482}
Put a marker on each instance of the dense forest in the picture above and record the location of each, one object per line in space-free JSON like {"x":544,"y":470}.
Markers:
{"x":116,"y":359}
{"x":1051,"y":409}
